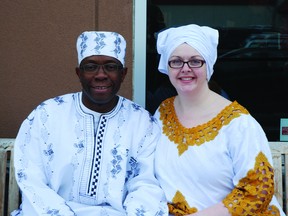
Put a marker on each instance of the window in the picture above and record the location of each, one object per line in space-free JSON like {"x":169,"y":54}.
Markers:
{"x":252,"y":65}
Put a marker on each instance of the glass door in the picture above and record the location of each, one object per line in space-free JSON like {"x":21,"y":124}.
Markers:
{"x":252,"y":65}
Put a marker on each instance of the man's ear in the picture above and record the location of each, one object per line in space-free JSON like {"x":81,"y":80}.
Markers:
{"x":77,"y":70}
{"x":124,"y":72}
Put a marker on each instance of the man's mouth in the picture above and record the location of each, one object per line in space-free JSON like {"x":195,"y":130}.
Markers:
{"x":101,"y":87}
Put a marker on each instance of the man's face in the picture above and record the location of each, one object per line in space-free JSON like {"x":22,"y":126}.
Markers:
{"x":101,"y":78}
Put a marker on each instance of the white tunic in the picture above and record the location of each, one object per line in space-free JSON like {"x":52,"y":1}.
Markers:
{"x":70,"y":160}
{"x":215,"y":162}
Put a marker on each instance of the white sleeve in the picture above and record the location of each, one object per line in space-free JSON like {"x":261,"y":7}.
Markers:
{"x":252,"y":162}
{"x":247,"y":140}
{"x":37,"y":197}
{"x":145,"y":197}
{"x":88,"y":210}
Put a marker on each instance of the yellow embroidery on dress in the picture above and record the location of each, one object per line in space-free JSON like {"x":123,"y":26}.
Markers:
{"x":180,"y":206}
{"x":185,"y":137}
{"x":253,"y":193}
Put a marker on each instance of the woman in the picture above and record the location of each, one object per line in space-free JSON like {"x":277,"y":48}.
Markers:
{"x":213,"y":157}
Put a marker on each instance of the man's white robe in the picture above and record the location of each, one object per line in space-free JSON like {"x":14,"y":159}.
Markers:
{"x":70,"y":160}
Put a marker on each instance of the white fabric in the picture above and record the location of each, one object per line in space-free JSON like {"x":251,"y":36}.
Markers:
{"x":91,"y":43}
{"x":202,"y":38}
{"x":64,"y":168}
{"x":207,"y":173}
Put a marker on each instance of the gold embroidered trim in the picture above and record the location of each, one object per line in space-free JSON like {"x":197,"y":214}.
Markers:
{"x":253,"y":193}
{"x":180,"y":206}
{"x":184,"y":137}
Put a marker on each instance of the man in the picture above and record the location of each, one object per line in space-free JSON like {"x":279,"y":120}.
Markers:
{"x":90,"y":152}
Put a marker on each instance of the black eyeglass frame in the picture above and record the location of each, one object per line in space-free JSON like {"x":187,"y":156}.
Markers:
{"x":187,"y":62}
{"x":118,"y":67}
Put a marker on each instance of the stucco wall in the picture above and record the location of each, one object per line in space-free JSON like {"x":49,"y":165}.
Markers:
{"x":38,"y":54}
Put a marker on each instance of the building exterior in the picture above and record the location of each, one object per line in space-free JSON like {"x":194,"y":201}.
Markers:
{"x":38,"y":55}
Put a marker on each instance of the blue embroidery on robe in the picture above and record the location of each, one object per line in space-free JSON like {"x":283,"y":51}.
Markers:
{"x":152,"y":118}
{"x":116,"y":162}
{"x":140,"y":212}
{"x":79,"y":146}
{"x":42,"y":105}
{"x":21,"y":175}
{"x":134,"y":169}
{"x":53,"y":212}
{"x":59,"y":100}
{"x":30,"y":120}
{"x":136,"y":107}
{"x":49,"y":152}
{"x":160,"y":213}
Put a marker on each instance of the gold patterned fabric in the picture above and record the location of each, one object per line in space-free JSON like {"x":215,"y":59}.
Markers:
{"x":180,"y":206}
{"x":253,"y":193}
{"x":226,"y":159}
{"x":250,"y":197}
{"x":184,"y":137}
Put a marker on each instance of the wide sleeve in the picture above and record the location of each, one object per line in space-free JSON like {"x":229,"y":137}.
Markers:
{"x":253,"y":170}
{"x":37,"y":197}
{"x":145,"y":197}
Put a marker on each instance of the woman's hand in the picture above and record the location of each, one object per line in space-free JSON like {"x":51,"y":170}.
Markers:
{"x":215,"y":210}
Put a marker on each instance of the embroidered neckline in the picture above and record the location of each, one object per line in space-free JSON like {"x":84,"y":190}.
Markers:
{"x":184,"y":137}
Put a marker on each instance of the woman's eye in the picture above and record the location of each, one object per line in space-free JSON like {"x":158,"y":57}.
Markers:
{"x":195,"y":61}
{"x":177,"y":62}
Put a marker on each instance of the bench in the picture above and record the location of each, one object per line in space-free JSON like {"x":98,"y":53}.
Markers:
{"x":279,"y":152}
{"x":9,"y":192}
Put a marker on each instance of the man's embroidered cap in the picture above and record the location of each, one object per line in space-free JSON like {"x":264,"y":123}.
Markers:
{"x":91,"y":43}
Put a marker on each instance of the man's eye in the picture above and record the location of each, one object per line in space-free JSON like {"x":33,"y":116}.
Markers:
{"x":90,"y":67}
{"x":111,"y":67}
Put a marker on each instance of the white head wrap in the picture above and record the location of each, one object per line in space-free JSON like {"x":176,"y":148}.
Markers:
{"x":202,"y":38}
{"x":91,"y":43}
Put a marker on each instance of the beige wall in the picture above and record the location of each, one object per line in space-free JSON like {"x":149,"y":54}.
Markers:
{"x":37,"y":50}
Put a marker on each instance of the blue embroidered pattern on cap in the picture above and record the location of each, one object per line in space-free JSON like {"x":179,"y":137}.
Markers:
{"x":83,"y":44}
{"x":99,"y":41}
{"x":117,"y":43}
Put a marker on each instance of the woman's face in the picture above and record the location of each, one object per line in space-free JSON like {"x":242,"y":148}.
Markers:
{"x":192,"y":75}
